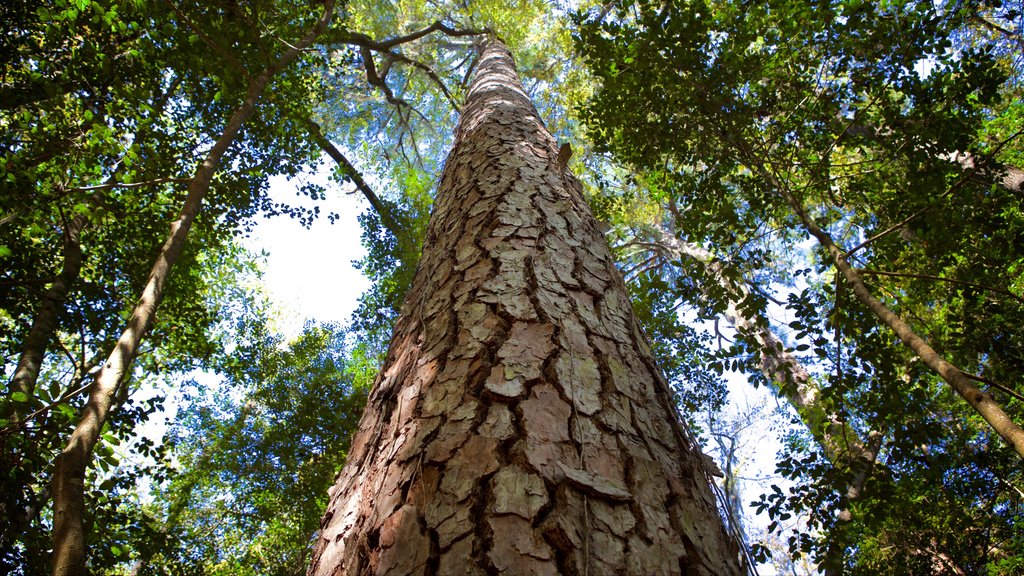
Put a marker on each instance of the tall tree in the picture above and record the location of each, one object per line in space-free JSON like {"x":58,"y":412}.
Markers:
{"x":70,"y":466}
{"x":519,"y":422}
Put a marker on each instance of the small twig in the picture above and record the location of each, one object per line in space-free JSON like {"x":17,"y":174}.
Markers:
{"x":20,"y":423}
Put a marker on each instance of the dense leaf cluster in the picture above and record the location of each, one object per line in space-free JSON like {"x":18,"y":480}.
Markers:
{"x":885,"y":127}
{"x":107,"y":109}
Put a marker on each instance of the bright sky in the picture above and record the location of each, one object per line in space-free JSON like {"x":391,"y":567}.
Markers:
{"x":309,"y":273}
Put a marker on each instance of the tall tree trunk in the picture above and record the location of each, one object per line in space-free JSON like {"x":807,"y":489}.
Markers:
{"x":984,"y":404}
{"x":519,"y":424}
{"x":70,"y":465}
{"x":44,"y":323}
{"x":958,"y":380}
{"x":841,"y":444}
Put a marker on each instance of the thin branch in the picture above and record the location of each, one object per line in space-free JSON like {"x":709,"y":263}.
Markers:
{"x":365,"y":41}
{"x":353,"y":174}
{"x":376,"y":80}
{"x":436,"y":26}
{"x":996,"y":28}
{"x":24,"y":421}
{"x":109,"y":185}
{"x":224,"y":53}
{"x":960,"y":182}
{"x":649,"y":264}
{"x":995,"y":384}
{"x":430,"y":74}
{"x":764,"y":293}
{"x":70,"y":356}
{"x":941,"y":279}
{"x":963,"y":180}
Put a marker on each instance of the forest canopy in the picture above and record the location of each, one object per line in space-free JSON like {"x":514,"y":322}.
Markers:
{"x":820,"y":205}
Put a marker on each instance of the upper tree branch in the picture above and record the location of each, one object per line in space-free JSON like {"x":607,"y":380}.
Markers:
{"x":223,"y":52}
{"x":368,"y":45}
{"x":941,"y":279}
{"x":360,"y":39}
{"x":353,"y":174}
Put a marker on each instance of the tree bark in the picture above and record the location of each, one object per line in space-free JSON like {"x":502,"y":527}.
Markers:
{"x":44,"y":323}
{"x":841,"y":444}
{"x":519,"y":424}
{"x":69,"y":467}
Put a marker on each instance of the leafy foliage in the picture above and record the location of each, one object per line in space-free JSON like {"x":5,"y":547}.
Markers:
{"x":257,"y":454}
{"x":108,"y":108}
{"x":862,"y":112}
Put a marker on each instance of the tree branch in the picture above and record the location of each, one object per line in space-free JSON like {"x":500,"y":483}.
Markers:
{"x":360,"y":39}
{"x":983,"y":403}
{"x":941,"y":279}
{"x":972,"y":171}
{"x":352,"y":174}
{"x":995,"y":384}
{"x":109,"y":185}
{"x":223,"y":52}
{"x":430,"y":74}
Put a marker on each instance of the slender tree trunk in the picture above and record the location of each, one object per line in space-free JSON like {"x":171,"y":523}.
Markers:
{"x":26,"y":375}
{"x":45,"y":321}
{"x":69,"y":467}
{"x":982,"y":403}
{"x":519,"y":424}
{"x":841,"y":444}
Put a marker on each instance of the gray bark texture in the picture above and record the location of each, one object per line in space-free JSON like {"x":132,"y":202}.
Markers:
{"x":788,"y":377}
{"x":519,"y":424}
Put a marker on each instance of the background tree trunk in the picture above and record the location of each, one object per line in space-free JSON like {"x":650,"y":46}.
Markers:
{"x":45,"y":321}
{"x":519,"y":423}
{"x":68,"y":486}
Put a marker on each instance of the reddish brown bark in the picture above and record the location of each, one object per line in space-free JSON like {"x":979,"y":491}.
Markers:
{"x":519,"y":424}
{"x":69,"y":467}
